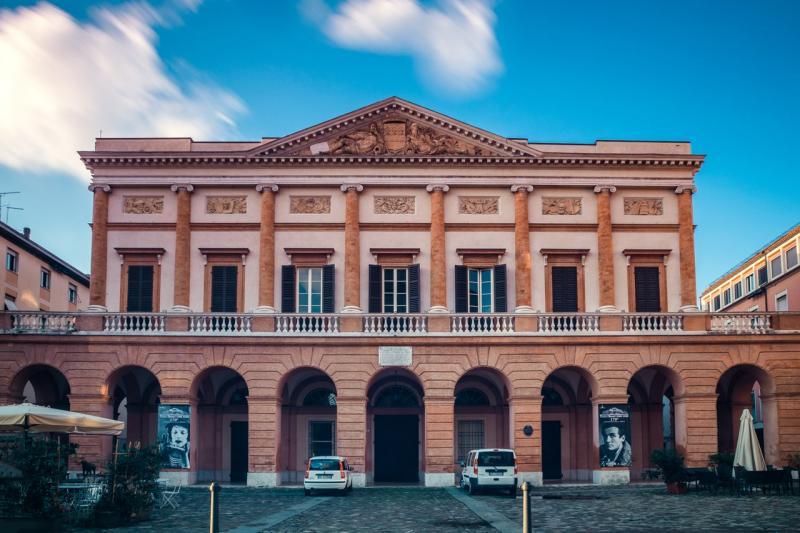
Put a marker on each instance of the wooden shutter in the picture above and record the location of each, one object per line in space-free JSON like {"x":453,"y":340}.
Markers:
{"x":140,"y":289}
{"x":461,"y":288}
{"x":223,"y":289}
{"x":648,"y":292}
{"x":500,"y":300}
{"x":328,"y":288}
{"x":564,"y":287}
{"x":375,"y":289}
{"x":413,"y":289}
{"x":288,"y":274}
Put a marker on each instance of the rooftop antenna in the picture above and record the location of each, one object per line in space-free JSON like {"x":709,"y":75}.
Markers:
{"x":9,"y":208}
{"x":3,"y":194}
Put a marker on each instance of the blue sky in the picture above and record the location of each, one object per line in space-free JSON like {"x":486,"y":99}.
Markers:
{"x":724,"y":75}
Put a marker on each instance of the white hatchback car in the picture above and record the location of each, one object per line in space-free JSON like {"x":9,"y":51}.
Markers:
{"x":329,"y":472}
{"x":491,"y":469}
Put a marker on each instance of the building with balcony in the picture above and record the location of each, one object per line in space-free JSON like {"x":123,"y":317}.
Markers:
{"x":399,"y":287}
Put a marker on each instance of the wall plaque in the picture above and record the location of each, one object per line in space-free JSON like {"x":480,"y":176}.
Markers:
{"x":143,"y":205}
{"x":394,"y":355}
{"x":478,"y":205}
{"x":395,"y":205}
{"x":561,"y":206}
{"x":309,"y":205}
{"x":644,"y":206}
{"x":226,"y":205}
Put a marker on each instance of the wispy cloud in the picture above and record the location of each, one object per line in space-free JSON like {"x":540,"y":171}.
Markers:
{"x":63,"y":81}
{"x":453,"y":43}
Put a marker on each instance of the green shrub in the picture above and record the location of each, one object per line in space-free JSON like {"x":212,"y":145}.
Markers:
{"x":721,"y":459}
{"x":132,"y":487}
{"x":670,"y":463}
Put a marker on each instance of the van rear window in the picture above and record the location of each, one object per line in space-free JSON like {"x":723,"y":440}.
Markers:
{"x":324,"y":464}
{"x":496,"y":459}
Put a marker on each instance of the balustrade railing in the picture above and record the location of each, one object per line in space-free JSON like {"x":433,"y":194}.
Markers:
{"x":311,"y":324}
{"x":652,"y":323}
{"x":219,"y":323}
{"x":740,"y":323}
{"x":569,"y":323}
{"x":482,"y":323}
{"x":39,"y":322}
{"x":150,"y":323}
{"x":395,"y":324}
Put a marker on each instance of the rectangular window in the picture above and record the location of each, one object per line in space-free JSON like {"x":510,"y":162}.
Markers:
{"x":309,"y":290}
{"x":72,"y":294}
{"x":791,"y":258}
{"x":737,"y":290}
{"x":480,"y":297}
{"x":648,"y":289}
{"x":224,"y":288}
{"x":716,"y":303}
{"x":140,"y":289}
{"x":321,"y":438}
{"x":762,"y":276}
{"x":470,"y":437}
{"x":782,"y":302}
{"x":726,"y":297}
{"x":395,"y":290}
{"x":12,"y":261}
{"x":775,"y":267}
{"x":749,"y":283}
{"x":44,"y":279}
{"x":565,"y":289}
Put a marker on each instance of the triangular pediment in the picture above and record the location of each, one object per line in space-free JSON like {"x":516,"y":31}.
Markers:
{"x":393,"y":128}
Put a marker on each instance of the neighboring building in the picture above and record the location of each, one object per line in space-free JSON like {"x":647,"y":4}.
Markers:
{"x":768,"y":280}
{"x":399,"y":287}
{"x":35,"y":279}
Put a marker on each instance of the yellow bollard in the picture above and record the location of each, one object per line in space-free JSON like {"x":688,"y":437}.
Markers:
{"x":526,"y":509}
{"x":213,"y":520}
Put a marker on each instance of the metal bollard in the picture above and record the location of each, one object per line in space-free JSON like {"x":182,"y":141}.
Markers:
{"x":526,"y":509}
{"x":213,"y":519}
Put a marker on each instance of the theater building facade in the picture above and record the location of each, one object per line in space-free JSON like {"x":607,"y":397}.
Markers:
{"x":399,"y":287}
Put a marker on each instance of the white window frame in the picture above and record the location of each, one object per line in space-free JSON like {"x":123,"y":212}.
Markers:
{"x":741,"y":290}
{"x":726,"y":297}
{"x":771,"y":271}
{"x":786,"y":258}
{"x":481,"y":295}
{"x":782,"y":294}
{"x":310,"y":281}
{"x":393,"y":293}
{"x":45,"y":278}
{"x":750,"y":283}
{"x":72,"y":290}
{"x":12,"y":256}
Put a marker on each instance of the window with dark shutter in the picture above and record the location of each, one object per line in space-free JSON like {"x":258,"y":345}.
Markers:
{"x":223,"y":289}
{"x":564,"y":289}
{"x":140,"y":289}
{"x":500,"y":300}
{"x":375,"y":289}
{"x":413,"y":289}
{"x":287,"y":288}
{"x":328,"y":288}
{"x":461,"y":288}
{"x":648,"y":292}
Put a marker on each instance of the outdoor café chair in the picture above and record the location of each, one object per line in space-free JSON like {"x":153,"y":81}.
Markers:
{"x":169,"y":493}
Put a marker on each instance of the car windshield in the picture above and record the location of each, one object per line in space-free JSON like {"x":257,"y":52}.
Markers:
{"x":496,"y":459}
{"x":324,"y":464}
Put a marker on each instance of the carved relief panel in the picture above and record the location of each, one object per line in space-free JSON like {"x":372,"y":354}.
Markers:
{"x":226,"y":205}
{"x":309,"y":205}
{"x":479,"y":205}
{"x":143,"y":205}
{"x":395,"y":205}
{"x":644,"y":206}
{"x":561,"y":206}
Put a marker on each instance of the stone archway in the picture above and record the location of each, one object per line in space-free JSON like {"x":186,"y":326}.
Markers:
{"x":481,"y":412}
{"x":135,"y":392}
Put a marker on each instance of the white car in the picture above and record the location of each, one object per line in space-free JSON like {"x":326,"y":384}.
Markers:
{"x":329,"y":472}
{"x":490,"y":469}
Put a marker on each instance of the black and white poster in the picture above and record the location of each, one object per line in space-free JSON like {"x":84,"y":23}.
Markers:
{"x":615,"y":435}
{"x":173,"y":434}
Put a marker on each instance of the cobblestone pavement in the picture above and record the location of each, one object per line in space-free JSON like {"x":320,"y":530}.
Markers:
{"x":641,"y":507}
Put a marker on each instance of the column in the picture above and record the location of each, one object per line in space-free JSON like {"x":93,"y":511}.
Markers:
{"x":183,"y":238}
{"x":607,"y":475}
{"x":99,"y":263}
{"x":605,"y":249}
{"x":526,"y":437}
{"x":696,"y":427}
{"x":93,"y":448}
{"x":351,"y":435}
{"x":439,"y":439}
{"x":522,"y":249}
{"x":352,"y":251}
{"x":686,"y":247}
{"x":438,"y":255}
{"x":263,"y":440}
{"x":266,"y":250}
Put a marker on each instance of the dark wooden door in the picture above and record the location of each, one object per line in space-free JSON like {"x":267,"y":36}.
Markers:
{"x":238,"y":452}
{"x":397,"y":448}
{"x":551,"y":450}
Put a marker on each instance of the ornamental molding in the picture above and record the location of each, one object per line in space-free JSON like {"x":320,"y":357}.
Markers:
{"x":309,"y":205}
{"x":644,"y":206}
{"x":394,"y":205}
{"x":562,"y":205}
{"x":226,"y":205}
{"x":478,"y":205}
{"x":142,"y":205}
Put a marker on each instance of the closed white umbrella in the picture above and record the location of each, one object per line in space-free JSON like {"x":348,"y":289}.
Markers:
{"x":748,"y":450}
{"x":39,"y":419}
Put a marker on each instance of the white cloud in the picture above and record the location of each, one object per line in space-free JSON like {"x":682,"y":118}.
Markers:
{"x":453,"y":44}
{"x":63,"y":81}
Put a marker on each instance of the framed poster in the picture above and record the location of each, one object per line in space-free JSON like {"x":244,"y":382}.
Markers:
{"x":173,"y":434}
{"x":615,"y":434}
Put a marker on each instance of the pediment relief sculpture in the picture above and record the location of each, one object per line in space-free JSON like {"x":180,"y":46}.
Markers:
{"x":226,"y":205}
{"x":644,"y":206}
{"x":143,"y":205}
{"x":561,"y":206}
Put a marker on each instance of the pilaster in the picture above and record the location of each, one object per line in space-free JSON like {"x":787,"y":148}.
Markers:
{"x":522,"y":249}
{"x":696,"y":427}
{"x":526,"y":414}
{"x":605,"y":248}
{"x":183,"y":237}
{"x":264,"y":436}
{"x":266,"y":255}
{"x":352,"y":253}
{"x":439,"y":460}
{"x":686,"y":247}
{"x":99,"y":262}
{"x":438,"y":254}
{"x":351,"y":434}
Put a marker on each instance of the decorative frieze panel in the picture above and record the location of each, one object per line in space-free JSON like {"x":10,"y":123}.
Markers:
{"x":226,"y":205}
{"x":143,"y":205}
{"x":644,"y":206}
{"x":561,"y":206}
{"x":309,"y":205}
{"x":395,"y":205}
{"x":478,"y":205}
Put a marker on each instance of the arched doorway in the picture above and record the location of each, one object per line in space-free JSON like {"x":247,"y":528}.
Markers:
{"x":396,"y":422}
{"x":135,"y":392}
{"x":308,"y":421}
{"x":41,"y":385}
{"x":568,"y":453}
{"x":747,"y":387}
{"x":221,"y":444}
{"x":481,"y":412}
{"x":651,"y":394}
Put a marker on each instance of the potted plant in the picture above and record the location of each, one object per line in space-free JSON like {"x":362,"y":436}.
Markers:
{"x":672,"y":468}
{"x":721,"y":461}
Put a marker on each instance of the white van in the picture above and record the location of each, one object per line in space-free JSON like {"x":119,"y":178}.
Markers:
{"x":329,"y":472}
{"x":490,"y":468}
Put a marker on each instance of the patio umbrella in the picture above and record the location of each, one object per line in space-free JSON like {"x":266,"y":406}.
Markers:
{"x":748,"y":451}
{"x":39,"y":419}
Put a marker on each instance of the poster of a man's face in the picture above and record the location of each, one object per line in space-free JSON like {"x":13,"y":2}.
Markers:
{"x":615,"y":448}
{"x":173,"y":434}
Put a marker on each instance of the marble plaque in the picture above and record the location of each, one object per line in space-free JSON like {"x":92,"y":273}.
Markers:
{"x":394,"y":355}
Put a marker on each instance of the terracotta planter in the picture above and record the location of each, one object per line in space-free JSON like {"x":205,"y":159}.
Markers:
{"x":677,"y":487}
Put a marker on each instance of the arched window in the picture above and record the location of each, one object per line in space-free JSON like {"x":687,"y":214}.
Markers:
{"x":551,"y":397}
{"x":396,"y":396}
{"x":471,"y":398}
{"x":320,"y":398}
